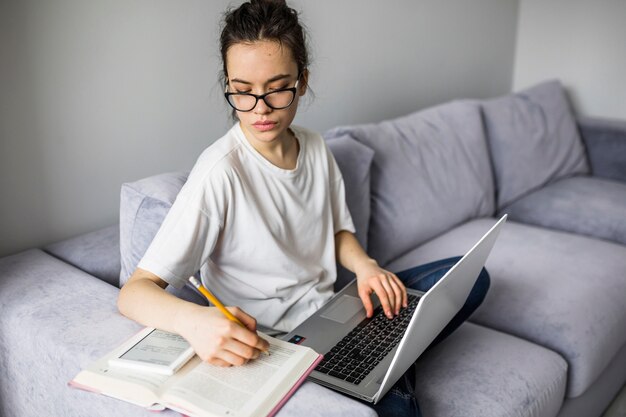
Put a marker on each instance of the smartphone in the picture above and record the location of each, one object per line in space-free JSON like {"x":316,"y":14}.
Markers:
{"x":159,"y":352}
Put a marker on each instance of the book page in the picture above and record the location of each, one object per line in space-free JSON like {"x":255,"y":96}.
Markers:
{"x":250,"y":389}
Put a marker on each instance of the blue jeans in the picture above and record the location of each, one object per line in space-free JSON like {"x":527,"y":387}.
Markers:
{"x":400,"y":400}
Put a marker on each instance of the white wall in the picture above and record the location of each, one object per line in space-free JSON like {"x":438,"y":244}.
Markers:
{"x":581,"y":42}
{"x":98,"y":93}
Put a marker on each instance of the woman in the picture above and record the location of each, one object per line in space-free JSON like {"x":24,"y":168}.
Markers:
{"x":263,"y":215}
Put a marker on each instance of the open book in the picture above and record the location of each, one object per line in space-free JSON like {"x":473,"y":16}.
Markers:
{"x":258,"y":388}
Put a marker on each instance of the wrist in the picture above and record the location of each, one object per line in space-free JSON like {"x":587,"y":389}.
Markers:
{"x":364,"y":263}
{"x":184,"y":317}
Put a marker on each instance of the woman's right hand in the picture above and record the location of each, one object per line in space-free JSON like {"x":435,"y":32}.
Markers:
{"x":218,"y":340}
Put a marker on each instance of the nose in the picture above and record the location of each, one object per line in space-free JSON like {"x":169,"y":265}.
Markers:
{"x":262,"y":107}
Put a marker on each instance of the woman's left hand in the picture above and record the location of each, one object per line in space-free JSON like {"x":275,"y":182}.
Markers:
{"x":391,"y":292}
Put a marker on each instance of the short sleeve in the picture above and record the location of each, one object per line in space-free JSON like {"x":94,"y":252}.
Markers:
{"x":187,"y":236}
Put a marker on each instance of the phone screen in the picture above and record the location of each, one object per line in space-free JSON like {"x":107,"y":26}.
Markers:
{"x":157,"y":348}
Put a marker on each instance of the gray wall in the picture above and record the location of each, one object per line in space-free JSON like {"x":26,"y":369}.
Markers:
{"x":581,"y":42}
{"x":98,"y":93}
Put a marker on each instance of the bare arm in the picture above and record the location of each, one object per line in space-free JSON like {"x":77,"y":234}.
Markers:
{"x":370,"y":277}
{"x":214,"y":338}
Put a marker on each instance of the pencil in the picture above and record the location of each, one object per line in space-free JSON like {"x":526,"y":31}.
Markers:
{"x":217,"y":303}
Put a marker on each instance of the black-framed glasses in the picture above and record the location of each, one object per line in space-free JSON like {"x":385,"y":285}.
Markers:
{"x":277,"y":99}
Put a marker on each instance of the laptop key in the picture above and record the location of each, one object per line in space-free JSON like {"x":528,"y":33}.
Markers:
{"x":337,"y":374}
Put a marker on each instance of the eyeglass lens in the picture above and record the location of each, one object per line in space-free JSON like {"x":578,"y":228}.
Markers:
{"x":275,"y":100}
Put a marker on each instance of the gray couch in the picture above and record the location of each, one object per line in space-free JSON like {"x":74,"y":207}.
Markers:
{"x":549,"y":339}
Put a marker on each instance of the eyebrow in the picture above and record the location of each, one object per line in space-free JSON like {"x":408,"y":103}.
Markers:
{"x":271,"y":80}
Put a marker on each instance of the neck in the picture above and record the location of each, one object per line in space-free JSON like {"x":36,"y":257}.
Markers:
{"x":282,"y":152}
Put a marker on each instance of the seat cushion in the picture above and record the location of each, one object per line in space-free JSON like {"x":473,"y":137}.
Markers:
{"x":481,"y":372}
{"x":582,"y":205}
{"x":431,"y":171}
{"x":533,"y":140}
{"x":559,"y":290}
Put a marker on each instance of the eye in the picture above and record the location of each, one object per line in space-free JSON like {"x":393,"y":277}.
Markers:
{"x":278,"y":88}
{"x":242,"y":91}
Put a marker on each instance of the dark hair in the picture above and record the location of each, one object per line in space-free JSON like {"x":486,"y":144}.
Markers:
{"x":264,"y":20}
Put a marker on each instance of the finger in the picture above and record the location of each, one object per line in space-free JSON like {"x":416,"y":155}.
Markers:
{"x":391,"y":295}
{"x":364,"y":293}
{"x":405,"y":296}
{"x":242,"y":352}
{"x":382,"y":297}
{"x":218,"y":362}
{"x":249,"y":338}
{"x":397,"y":289}
{"x":230,"y":358}
{"x":243,"y":317}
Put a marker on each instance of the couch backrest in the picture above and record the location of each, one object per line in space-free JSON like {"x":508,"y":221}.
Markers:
{"x":533,"y":139}
{"x":431,"y":171}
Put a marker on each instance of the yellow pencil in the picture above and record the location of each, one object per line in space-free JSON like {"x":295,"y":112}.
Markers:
{"x":217,"y":303}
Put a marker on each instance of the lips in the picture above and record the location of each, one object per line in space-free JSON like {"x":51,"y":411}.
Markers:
{"x":264,"y":125}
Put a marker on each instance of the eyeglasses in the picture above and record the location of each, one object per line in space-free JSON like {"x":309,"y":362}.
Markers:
{"x":277,"y":99}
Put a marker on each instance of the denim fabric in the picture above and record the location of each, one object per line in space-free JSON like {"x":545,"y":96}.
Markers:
{"x":400,"y":400}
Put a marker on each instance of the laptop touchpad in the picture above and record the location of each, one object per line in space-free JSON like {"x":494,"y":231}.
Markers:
{"x":343,"y":309}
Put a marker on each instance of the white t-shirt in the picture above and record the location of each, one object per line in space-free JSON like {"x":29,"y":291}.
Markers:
{"x":261,"y":236}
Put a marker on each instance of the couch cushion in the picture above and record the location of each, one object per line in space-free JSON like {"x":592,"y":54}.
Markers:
{"x":143,"y":206}
{"x":533,"y":140}
{"x":354,"y":160}
{"x":605,"y":142}
{"x":431,"y":171}
{"x":97,"y":253}
{"x":559,"y":290}
{"x":582,"y":205}
{"x":478,"y":371}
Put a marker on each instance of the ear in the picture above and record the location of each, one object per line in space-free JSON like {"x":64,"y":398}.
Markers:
{"x":304,"y":82}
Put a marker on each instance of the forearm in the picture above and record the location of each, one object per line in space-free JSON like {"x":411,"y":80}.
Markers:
{"x":349,"y":251}
{"x":145,"y":301}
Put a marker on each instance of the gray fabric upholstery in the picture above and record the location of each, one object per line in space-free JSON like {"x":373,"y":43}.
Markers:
{"x":583,"y":205}
{"x":51,"y":331}
{"x":482,"y":372}
{"x":97,"y":253}
{"x":559,"y":290}
{"x":431,"y":171}
{"x":354,"y":160}
{"x":605,"y":141}
{"x":143,"y":206}
{"x":533,"y":140}
{"x":595,"y":400}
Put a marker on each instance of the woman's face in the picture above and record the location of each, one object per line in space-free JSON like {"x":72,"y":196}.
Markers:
{"x":259,"y":68}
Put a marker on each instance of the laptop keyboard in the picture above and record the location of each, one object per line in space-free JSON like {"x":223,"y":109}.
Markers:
{"x":358,"y":353}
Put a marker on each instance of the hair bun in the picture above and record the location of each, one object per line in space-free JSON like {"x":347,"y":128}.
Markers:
{"x":275,"y":2}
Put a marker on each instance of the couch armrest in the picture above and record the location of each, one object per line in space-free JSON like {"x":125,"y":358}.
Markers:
{"x":605,"y":140}
{"x":57,"y":319}
{"x":97,"y":253}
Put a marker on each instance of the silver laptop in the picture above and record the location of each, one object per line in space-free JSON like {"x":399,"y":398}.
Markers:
{"x":365,"y":357}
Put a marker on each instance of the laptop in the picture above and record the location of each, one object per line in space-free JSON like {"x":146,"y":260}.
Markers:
{"x":365,"y":357}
